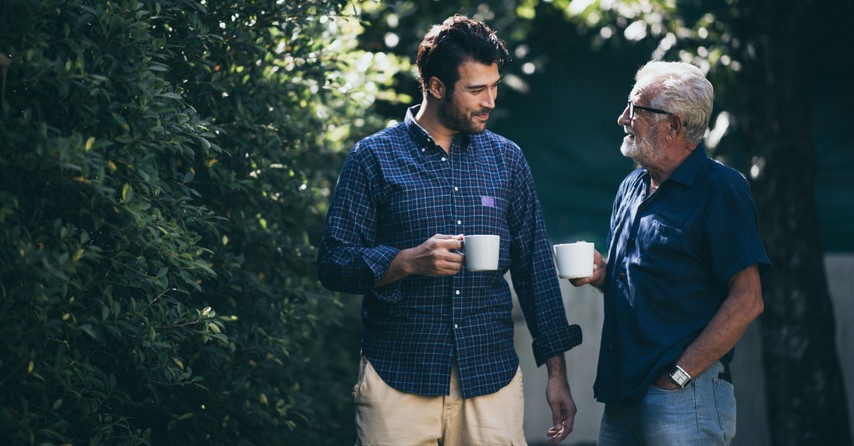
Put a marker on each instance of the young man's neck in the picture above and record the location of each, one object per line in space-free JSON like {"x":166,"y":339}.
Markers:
{"x":428,"y":118}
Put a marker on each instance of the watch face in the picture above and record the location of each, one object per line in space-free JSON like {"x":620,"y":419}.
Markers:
{"x":680,"y":377}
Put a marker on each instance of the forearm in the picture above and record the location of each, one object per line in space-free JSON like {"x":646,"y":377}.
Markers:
{"x":742,"y":307}
{"x":719,"y":337}
{"x":556,"y":366}
{"x":397,"y":269}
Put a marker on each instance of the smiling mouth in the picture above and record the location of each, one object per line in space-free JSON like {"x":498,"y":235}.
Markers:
{"x":629,"y":133}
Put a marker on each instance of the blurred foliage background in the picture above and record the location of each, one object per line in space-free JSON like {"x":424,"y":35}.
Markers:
{"x":167,"y":165}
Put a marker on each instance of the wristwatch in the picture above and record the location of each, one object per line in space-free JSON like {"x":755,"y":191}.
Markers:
{"x":680,"y":376}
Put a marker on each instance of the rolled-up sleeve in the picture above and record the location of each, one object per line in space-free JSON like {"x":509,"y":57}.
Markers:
{"x":533,"y":273}
{"x":348,"y":259}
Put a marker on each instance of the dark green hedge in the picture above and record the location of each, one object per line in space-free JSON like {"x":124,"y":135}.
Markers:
{"x":164,"y":167}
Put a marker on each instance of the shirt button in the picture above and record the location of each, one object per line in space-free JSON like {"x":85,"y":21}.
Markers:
{"x":456,"y":325}
{"x":458,"y":292}
{"x":622,"y":276}
{"x":423,"y":149}
{"x":444,"y":159}
{"x":456,"y":189}
{"x":459,"y":222}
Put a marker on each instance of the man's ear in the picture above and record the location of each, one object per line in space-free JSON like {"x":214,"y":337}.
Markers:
{"x":675,"y":126}
{"x":436,"y":88}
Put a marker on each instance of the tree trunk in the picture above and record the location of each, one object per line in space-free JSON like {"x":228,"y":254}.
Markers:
{"x":805,"y":391}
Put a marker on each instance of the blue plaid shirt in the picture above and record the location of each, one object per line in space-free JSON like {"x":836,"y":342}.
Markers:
{"x":397,"y":189}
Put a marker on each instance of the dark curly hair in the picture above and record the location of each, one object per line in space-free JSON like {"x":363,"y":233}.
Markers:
{"x":458,"y":39}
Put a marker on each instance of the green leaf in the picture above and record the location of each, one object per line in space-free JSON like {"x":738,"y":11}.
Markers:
{"x":127,"y":193}
{"x":120,"y":120}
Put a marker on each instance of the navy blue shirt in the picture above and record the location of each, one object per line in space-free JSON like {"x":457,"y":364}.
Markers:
{"x":670,"y":258}
{"x":397,"y":189}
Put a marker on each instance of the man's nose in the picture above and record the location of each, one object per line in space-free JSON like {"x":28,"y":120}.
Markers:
{"x":489,"y":99}
{"x":623,"y":119}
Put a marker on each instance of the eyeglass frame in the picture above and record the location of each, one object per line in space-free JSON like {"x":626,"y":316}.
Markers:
{"x":632,"y":106}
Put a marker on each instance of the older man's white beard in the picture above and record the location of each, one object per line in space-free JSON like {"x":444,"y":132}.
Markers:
{"x":642,"y":152}
{"x":629,"y":149}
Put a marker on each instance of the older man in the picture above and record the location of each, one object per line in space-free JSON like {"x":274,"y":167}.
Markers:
{"x":681,"y":280}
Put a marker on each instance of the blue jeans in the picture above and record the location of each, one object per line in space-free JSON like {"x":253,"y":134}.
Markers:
{"x":702,"y":414}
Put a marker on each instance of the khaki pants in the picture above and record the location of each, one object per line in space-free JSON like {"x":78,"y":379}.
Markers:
{"x":388,"y":417}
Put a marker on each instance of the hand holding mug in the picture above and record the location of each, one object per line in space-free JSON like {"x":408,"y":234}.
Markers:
{"x":437,"y":256}
{"x":597,"y":279}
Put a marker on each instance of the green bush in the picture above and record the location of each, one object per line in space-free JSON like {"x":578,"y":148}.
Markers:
{"x":166,"y":166}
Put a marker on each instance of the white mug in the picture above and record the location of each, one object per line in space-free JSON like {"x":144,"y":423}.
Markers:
{"x":481,"y":252}
{"x":574,"y":260}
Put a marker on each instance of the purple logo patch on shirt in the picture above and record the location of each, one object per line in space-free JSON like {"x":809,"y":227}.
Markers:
{"x":487,"y":201}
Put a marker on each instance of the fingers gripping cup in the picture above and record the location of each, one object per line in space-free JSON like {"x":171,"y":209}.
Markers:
{"x":574,"y":260}
{"x":481,"y":252}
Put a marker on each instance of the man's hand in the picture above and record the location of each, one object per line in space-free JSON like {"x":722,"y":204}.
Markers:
{"x":665,"y":383}
{"x":598,"y":277}
{"x":437,"y":256}
{"x":560,"y":400}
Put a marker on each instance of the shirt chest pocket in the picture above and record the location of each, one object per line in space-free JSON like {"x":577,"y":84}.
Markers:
{"x":656,"y":238}
{"x":421,"y":202}
{"x":485,"y":213}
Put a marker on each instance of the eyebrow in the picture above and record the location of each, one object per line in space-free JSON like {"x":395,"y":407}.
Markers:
{"x":477,"y":86}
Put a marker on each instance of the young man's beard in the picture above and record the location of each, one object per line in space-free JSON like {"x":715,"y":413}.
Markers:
{"x":453,"y":118}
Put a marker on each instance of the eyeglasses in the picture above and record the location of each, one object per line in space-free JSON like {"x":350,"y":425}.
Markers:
{"x":632,"y":108}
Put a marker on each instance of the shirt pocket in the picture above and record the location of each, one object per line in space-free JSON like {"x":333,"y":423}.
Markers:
{"x":486,"y":214}
{"x":659,"y":242}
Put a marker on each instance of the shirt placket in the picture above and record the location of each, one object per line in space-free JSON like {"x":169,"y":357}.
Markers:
{"x":456,"y":166}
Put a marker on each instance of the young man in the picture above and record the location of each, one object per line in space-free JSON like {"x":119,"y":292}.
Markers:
{"x":438,"y":361}
{"x":681,"y":280}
